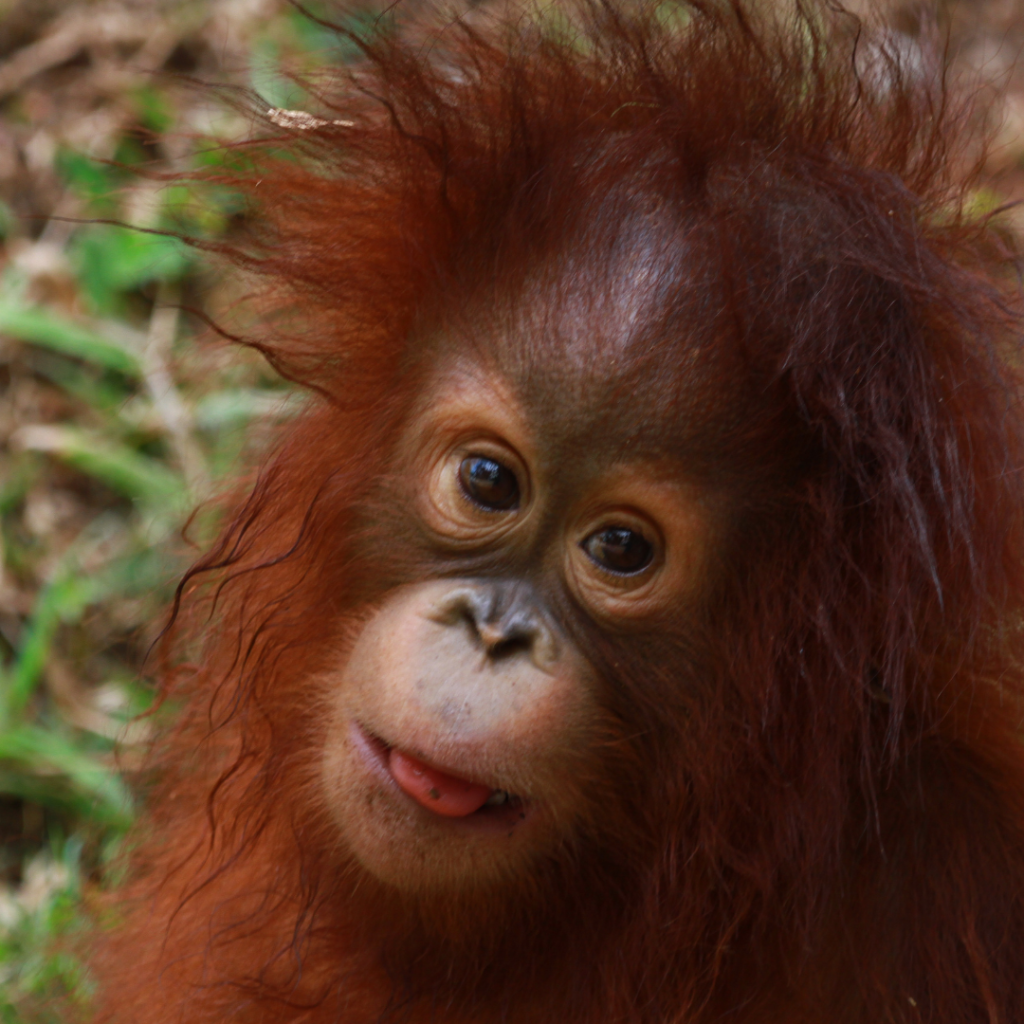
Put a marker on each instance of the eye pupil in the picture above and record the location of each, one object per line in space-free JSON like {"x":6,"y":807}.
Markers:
{"x":488,"y":483}
{"x":619,"y":550}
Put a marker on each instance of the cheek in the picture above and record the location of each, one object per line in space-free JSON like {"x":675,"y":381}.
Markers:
{"x":519,"y":726}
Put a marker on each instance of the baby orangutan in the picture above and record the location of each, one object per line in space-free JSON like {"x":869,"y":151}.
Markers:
{"x":631,"y":629}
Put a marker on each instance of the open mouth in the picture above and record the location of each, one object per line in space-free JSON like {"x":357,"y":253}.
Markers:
{"x":438,"y":791}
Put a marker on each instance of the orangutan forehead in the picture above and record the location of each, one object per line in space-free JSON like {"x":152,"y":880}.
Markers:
{"x":604,"y":349}
{"x":600,"y":385}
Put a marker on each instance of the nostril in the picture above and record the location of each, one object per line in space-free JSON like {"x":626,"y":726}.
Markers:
{"x":509,"y":646}
{"x":461,"y":605}
{"x":501,"y":641}
{"x":466,"y":616}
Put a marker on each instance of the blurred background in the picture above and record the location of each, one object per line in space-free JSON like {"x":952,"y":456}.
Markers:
{"x":120,"y":412}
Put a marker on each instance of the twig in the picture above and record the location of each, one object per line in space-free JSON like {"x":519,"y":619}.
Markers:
{"x":76,"y":32}
{"x":167,"y":403}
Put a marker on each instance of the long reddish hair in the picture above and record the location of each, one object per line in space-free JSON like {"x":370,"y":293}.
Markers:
{"x":799,"y":783}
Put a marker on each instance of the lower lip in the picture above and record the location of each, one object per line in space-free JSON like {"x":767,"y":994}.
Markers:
{"x":500,"y":818}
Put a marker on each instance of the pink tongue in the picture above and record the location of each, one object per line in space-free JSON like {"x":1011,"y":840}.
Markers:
{"x":443,"y":794}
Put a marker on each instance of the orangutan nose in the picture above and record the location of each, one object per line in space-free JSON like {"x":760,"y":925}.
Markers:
{"x":505,"y":618}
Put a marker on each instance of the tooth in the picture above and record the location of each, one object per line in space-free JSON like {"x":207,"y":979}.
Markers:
{"x":499,"y":796}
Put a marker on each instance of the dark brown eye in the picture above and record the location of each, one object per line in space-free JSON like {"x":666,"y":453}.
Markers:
{"x":619,"y":550}
{"x":488,"y":483}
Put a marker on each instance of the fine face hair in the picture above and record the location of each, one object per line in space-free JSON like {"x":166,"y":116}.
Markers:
{"x":631,"y":629}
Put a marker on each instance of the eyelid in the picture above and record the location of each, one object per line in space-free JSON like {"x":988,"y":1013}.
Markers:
{"x":622,"y":518}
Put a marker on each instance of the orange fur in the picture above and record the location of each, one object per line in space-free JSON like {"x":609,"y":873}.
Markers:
{"x":812,"y":801}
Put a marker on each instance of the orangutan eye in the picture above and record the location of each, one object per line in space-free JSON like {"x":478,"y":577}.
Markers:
{"x":488,"y":483}
{"x":619,"y":550}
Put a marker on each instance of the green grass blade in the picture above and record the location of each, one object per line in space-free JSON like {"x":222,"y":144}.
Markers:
{"x":62,"y":600}
{"x":121,"y":468}
{"x":49,"y":330}
{"x":237,"y":406}
{"x":102,"y":796}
